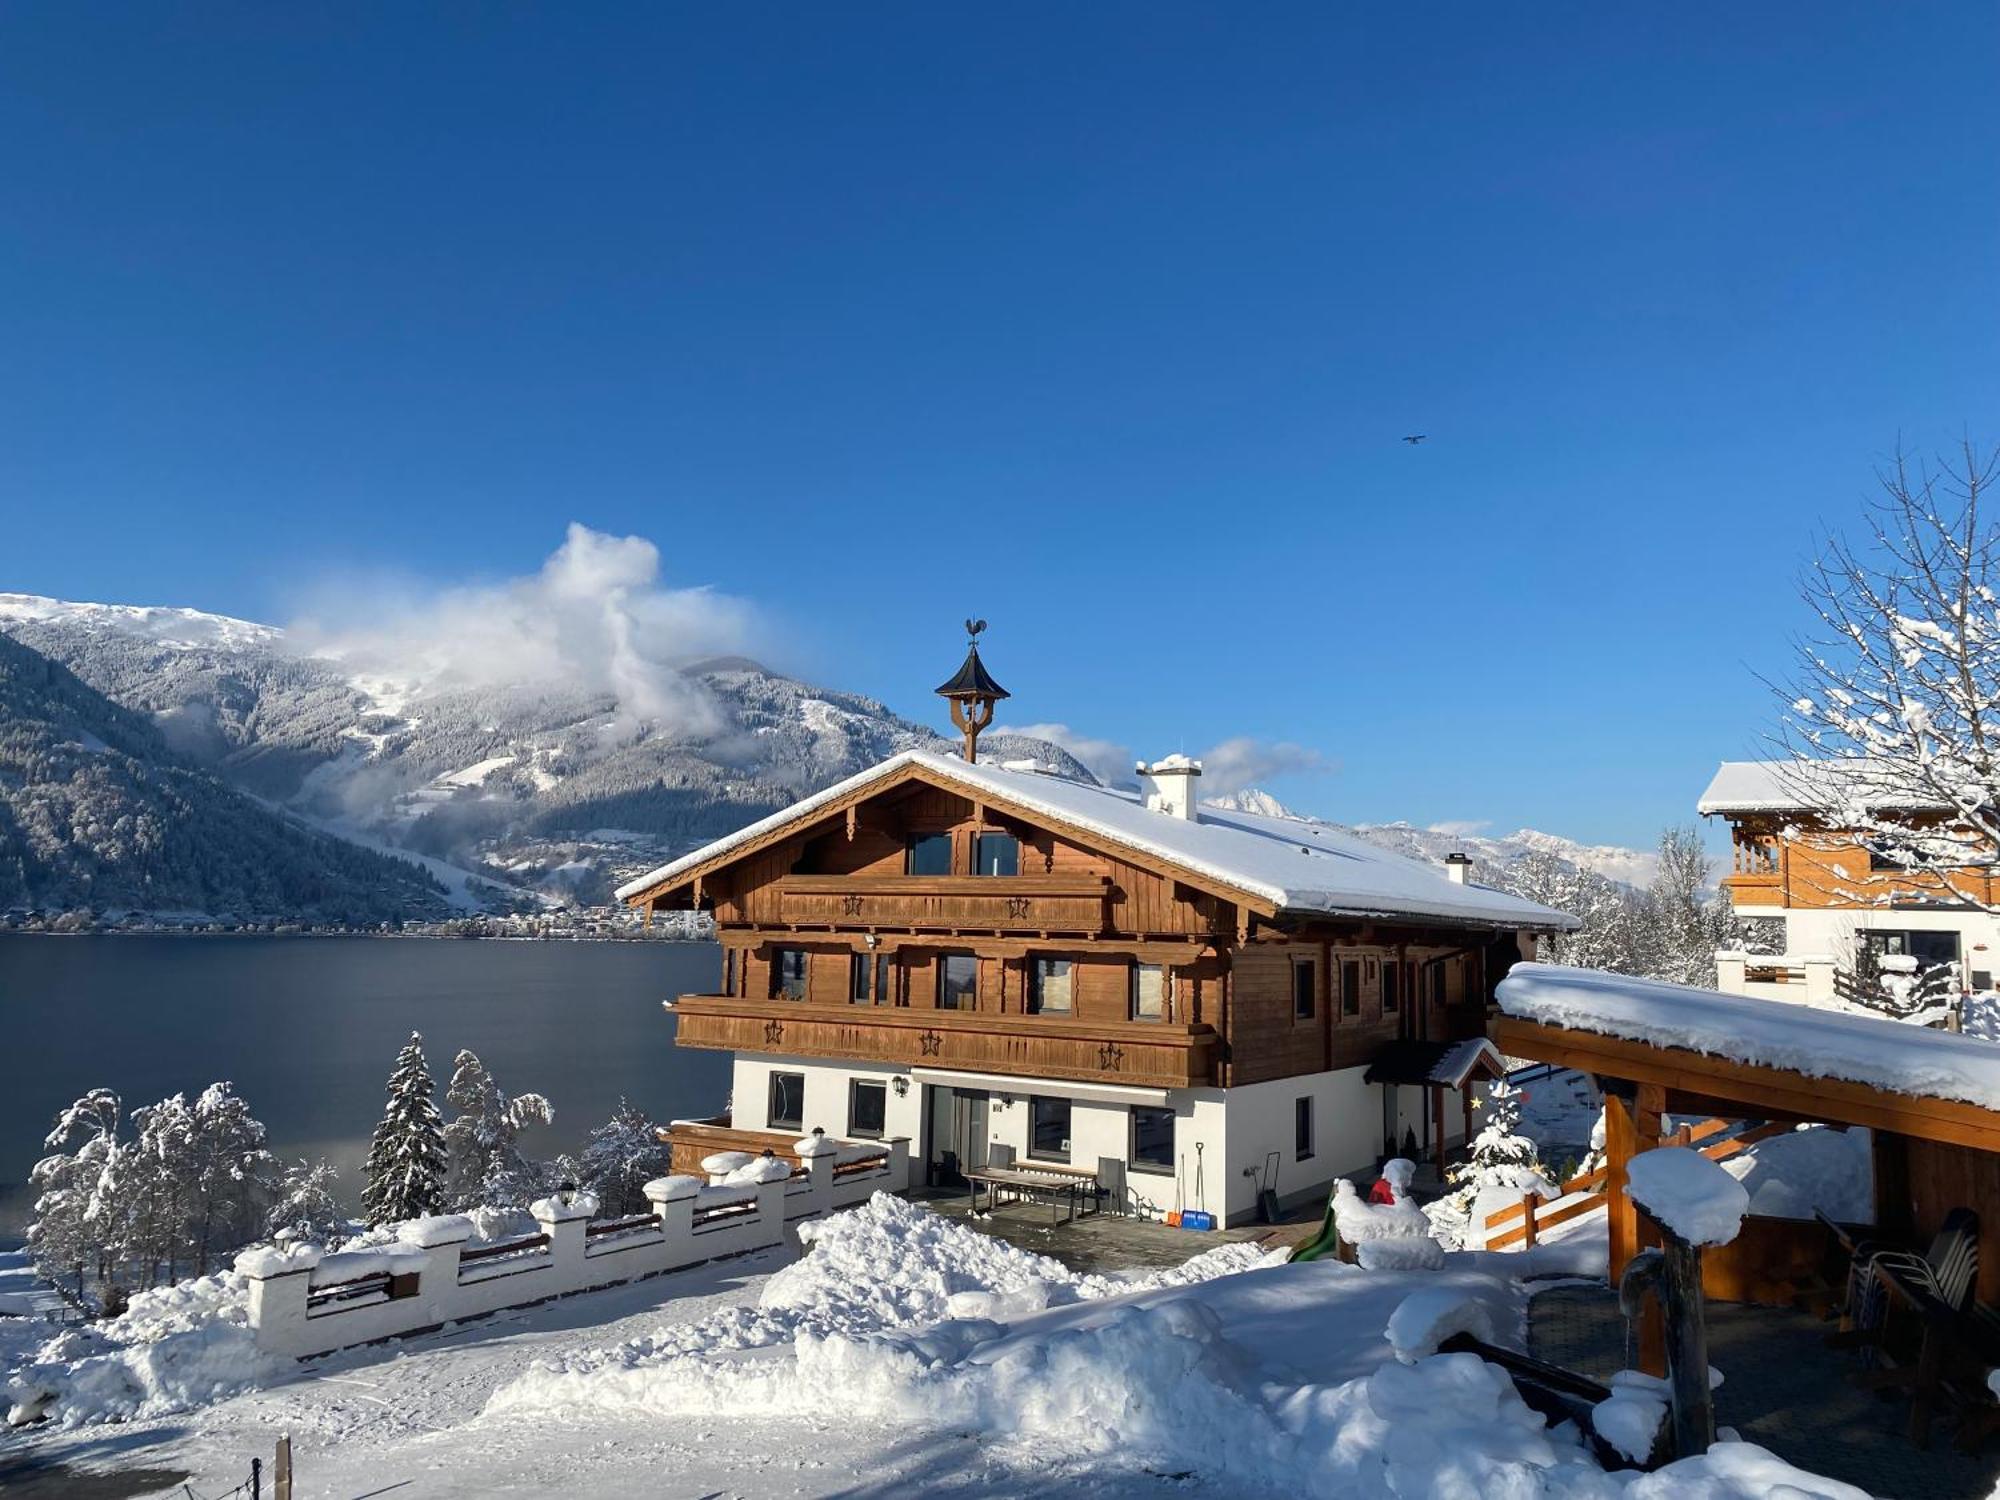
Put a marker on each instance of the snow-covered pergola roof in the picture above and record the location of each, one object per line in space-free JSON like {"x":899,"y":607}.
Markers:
{"x":1789,"y":1057}
{"x":1281,"y":864}
{"x":1748,"y":786}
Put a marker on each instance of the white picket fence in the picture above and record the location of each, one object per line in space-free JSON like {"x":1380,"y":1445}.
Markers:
{"x":304,"y":1303}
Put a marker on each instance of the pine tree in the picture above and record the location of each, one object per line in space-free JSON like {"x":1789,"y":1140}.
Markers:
{"x":487,"y":1167}
{"x":624,"y":1154}
{"x":1502,"y":1165}
{"x":406,"y":1159}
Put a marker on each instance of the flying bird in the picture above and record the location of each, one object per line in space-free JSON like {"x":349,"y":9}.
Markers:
{"x":1416,"y":438}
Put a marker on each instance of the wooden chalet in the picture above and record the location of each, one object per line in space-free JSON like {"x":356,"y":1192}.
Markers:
{"x":1180,"y":1000}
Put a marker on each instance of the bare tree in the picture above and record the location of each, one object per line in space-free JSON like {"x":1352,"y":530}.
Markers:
{"x":1891,"y":724}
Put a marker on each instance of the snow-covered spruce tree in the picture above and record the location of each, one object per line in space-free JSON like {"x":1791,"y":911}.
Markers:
{"x":1502,"y":1165}
{"x":307,"y":1206}
{"x":1891,"y":718}
{"x":482,"y":1140}
{"x":406,"y":1159}
{"x":624,"y":1154}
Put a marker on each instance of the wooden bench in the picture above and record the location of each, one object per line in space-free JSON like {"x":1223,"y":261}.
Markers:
{"x":1040,"y":1182}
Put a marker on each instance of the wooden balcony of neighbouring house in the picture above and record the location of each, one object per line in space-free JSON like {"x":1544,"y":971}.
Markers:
{"x":1156,"y":1054}
{"x":948,"y":903}
{"x":1754,"y":888}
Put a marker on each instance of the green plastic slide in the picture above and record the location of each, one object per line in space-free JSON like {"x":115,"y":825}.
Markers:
{"x":1326,"y":1243}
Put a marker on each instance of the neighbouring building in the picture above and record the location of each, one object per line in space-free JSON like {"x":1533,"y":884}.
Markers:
{"x":1837,"y":890}
{"x":1189,"y":1002}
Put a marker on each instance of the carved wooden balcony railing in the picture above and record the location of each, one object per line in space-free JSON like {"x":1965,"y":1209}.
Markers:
{"x":948,"y":903}
{"x":1146,"y":1053}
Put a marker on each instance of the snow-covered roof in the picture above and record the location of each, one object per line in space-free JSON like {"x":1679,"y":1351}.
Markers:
{"x":1785,"y":1034}
{"x":1290,"y":863}
{"x":1794,"y":786}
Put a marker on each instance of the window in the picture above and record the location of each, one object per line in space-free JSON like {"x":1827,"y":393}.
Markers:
{"x":1050,"y":987}
{"x":1438,"y":989}
{"x":728,"y":971}
{"x":1392,"y":985}
{"x":1883,"y":856}
{"x":867,"y":1107}
{"x":996,"y":854}
{"x":1048,"y":1128}
{"x":1302,"y":1129}
{"x":958,"y":981}
{"x":788,"y":974}
{"x":930,"y":854}
{"x":857,"y":978}
{"x":1148,"y":991}
{"x":1305,"y":988}
{"x":1152,"y":1139}
{"x":885,"y":980}
{"x":1350,"y":988}
{"x":787,"y":1109}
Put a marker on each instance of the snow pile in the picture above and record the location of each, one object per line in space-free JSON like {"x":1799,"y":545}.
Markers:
{"x":1360,"y":1221}
{"x":1275,"y":1381}
{"x":816,"y":1145}
{"x":1807,"y":1040}
{"x":555,"y":1211}
{"x":175,"y":1347}
{"x":722,"y":1163}
{"x":1688,"y":1194}
{"x":759,"y":1169}
{"x":1813,"y":1167}
{"x":1630,"y":1419}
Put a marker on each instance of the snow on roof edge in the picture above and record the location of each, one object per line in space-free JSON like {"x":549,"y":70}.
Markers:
{"x":1785,"y":1035}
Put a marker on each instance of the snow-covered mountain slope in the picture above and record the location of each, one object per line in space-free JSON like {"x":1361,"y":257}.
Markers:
{"x":543,"y":786}
{"x":96,"y":810}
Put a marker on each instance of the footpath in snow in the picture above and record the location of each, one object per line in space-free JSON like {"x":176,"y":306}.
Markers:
{"x":909,"y":1354}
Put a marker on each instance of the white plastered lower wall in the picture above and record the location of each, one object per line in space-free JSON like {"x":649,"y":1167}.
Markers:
{"x":1833,"y":931}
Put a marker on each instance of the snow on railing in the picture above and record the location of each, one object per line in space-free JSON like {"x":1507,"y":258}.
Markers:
{"x":304,"y":1303}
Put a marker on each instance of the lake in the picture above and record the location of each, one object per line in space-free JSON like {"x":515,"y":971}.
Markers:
{"x":308,"y":1028}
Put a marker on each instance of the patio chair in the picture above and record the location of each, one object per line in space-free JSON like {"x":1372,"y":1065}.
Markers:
{"x":1879,"y":1274}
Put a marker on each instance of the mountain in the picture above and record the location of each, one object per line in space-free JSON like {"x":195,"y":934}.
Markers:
{"x":547,"y":792}
{"x":97,"y":810}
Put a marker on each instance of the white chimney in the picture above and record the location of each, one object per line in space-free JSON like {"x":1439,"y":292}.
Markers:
{"x":1456,"y":866}
{"x":1169,"y":786}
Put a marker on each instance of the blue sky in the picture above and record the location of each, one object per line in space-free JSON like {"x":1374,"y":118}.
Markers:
{"x":1103,"y":322}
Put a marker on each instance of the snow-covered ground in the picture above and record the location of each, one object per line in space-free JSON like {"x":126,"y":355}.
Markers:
{"x":907,"y":1354}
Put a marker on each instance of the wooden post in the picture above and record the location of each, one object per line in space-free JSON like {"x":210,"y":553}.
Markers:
{"x":1650,"y":1104}
{"x":281,"y":1471}
{"x":1437,"y":1125}
{"x":1529,"y":1203}
{"x":1622,"y":1217}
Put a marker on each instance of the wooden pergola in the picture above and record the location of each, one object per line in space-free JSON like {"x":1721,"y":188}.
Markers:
{"x":1930,"y":1153}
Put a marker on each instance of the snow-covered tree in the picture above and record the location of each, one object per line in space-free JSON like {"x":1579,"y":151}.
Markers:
{"x":624,"y":1154}
{"x":307,"y":1205}
{"x":1685,"y":920}
{"x":69,"y":1236}
{"x":1502,"y":1165}
{"x":407,"y":1161}
{"x":1891,"y":718}
{"x":483,"y":1139}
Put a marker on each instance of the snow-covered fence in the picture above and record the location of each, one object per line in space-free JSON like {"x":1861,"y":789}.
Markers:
{"x":303,"y":1302}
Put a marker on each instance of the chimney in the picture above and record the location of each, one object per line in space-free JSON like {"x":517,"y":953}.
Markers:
{"x":1457,"y":865}
{"x":1169,"y":786}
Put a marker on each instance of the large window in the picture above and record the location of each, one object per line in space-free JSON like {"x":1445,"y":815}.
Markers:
{"x":1148,"y":992}
{"x":958,"y":981}
{"x":885,"y":979}
{"x":867,"y":1108}
{"x":930,"y":854}
{"x":787,"y":1107}
{"x":1350,"y":988}
{"x":1440,"y":986}
{"x":1302,"y":1129}
{"x":996,"y":854}
{"x":1392,"y":984}
{"x":1305,"y":988}
{"x":1048,"y":1128}
{"x":1152,"y":1139}
{"x":1051,"y":987}
{"x":788,"y":974}
{"x":857,"y":978}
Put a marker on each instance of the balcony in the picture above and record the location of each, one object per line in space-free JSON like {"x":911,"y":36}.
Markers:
{"x":1755,"y":888}
{"x":1149,"y":1054}
{"x":948,"y":903}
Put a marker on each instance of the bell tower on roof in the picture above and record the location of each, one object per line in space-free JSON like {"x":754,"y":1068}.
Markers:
{"x":972,"y":693}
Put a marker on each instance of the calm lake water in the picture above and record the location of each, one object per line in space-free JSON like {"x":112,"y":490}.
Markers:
{"x":307,"y":1029}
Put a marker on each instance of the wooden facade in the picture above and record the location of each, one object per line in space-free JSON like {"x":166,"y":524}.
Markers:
{"x":833,"y":949}
{"x":1782,"y":860}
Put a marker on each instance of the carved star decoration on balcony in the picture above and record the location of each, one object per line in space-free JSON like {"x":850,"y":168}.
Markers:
{"x":931,"y":1041}
{"x":850,"y":906}
{"x":1109,"y":1056}
{"x":774,"y":1033}
{"x":1017,"y":906}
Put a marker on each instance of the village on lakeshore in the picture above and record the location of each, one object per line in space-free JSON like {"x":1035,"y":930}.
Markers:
{"x":1242,"y":754}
